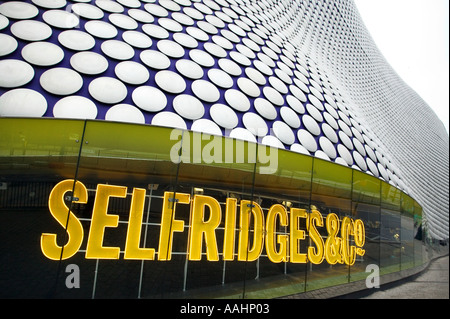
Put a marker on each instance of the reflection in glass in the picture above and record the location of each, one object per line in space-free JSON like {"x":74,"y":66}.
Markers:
{"x":33,"y":160}
{"x":390,"y":245}
{"x":407,"y":231}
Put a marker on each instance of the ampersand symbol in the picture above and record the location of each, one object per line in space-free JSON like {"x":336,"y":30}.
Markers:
{"x":333,"y":243}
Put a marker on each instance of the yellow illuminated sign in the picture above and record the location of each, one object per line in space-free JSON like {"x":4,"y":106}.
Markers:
{"x":255,"y":231}
{"x":201,"y":229}
{"x":65,"y":218}
{"x":276,"y":212}
{"x":100,"y":220}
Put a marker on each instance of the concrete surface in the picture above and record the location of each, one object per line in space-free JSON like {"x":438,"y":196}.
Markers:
{"x":432,"y":283}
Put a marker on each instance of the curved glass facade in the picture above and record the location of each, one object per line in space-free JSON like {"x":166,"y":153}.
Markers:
{"x":129,"y":176}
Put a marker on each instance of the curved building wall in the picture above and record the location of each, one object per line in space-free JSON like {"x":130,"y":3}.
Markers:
{"x":403,"y":123}
{"x":303,"y":77}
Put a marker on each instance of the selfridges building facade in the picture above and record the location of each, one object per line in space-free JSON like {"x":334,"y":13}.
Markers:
{"x":191,"y":149}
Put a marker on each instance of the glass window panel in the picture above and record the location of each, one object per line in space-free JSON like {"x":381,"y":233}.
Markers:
{"x":283,"y":172}
{"x":390,"y":197}
{"x":331,"y":179}
{"x":32,"y":161}
{"x":331,"y":194}
{"x":282,"y":179}
{"x":120,"y":156}
{"x":366,"y":198}
{"x":219,"y":168}
{"x":27,"y":149}
{"x":418,"y":235}
{"x":407,"y":231}
{"x":120,"y":151}
{"x":390,"y":245}
{"x":326,"y":274}
{"x":217,"y":162}
{"x":204,"y":277}
{"x":390,"y":231}
{"x":370,"y":215}
{"x":366,"y":188}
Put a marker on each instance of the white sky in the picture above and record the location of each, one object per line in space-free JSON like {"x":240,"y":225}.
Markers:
{"x":413,"y":36}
